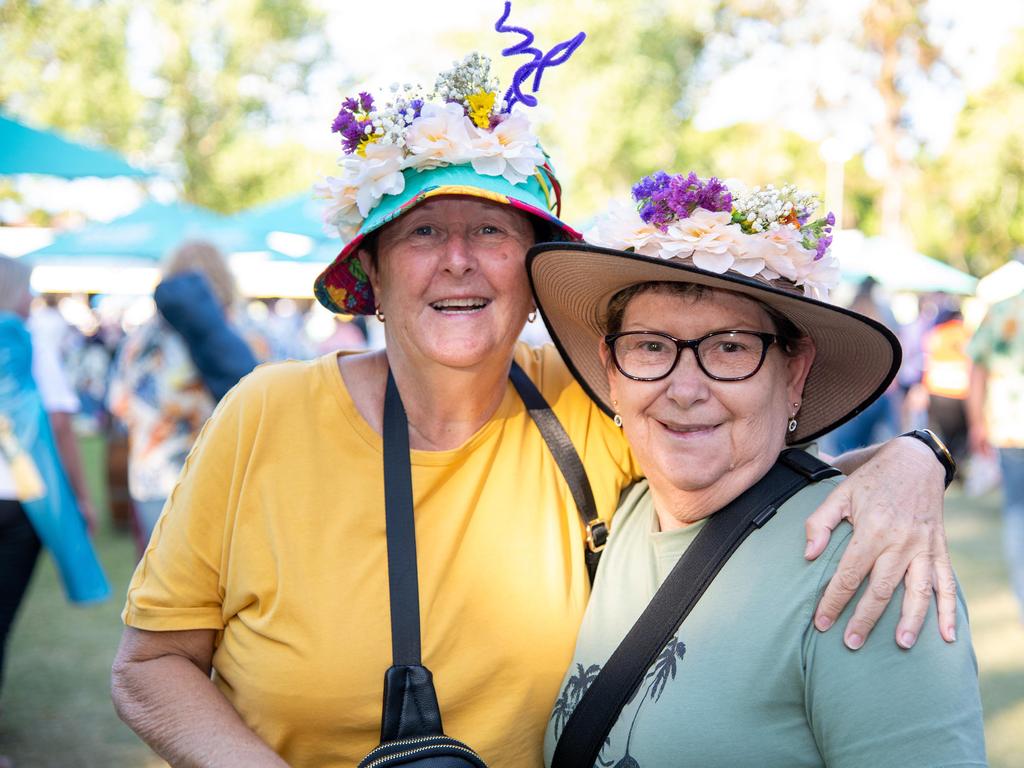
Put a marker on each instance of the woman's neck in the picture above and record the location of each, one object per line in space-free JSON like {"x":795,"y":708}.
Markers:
{"x":445,"y":406}
{"x":678,"y":508}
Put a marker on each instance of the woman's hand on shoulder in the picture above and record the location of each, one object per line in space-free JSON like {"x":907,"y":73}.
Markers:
{"x":894,"y":500}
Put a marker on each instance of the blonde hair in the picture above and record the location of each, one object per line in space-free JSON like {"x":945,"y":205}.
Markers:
{"x":15,"y":276}
{"x":205,"y":257}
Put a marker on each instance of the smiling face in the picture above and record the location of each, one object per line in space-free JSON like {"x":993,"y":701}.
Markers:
{"x":451,"y":282}
{"x":693,"y":435}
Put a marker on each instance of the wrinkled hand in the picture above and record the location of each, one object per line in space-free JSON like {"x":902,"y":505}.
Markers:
{"x":894,"y":502}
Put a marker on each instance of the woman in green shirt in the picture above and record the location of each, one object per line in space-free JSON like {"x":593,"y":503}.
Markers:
{"x":706,"y":334}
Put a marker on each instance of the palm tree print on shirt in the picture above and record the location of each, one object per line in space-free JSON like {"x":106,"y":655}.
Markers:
{"x":653,"y":686}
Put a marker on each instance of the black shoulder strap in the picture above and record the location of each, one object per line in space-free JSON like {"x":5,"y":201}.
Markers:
{"x":568,"y":461}
{"x":401,"y":531}
{"x":599,"y":708}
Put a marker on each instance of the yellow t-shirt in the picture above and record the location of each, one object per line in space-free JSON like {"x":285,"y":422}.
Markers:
{"x":275,"y":536}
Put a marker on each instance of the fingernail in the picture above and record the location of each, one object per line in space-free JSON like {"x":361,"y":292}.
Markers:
{"x":854,"y":641}
{"x":952,"y":634}
{"x":807,"y":549}
{"x":823,"y":623}
{"x":907,"y":640}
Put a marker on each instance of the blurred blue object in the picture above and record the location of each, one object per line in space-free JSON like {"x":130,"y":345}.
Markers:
{"x":39,"y":151}
{"x":290,"y":229}
{"x":219,"y":353}
{"x":896,"y":265}
{"x":54,"y":515}
{"x":147,"y":234}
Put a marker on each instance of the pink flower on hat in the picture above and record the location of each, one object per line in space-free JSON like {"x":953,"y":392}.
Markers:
{"x":709,"y":237}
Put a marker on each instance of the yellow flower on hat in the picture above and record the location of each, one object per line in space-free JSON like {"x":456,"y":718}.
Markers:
{"x":481,"y":105}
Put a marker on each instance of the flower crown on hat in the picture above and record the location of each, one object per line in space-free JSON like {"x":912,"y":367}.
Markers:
{"x":461,"y":121}
{"x":761,"y":232}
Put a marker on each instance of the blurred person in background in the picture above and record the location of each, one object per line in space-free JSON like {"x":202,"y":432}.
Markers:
{"x":945,"y":378}
{"x":170,"y":372}
{"x":40,"y":467}
{"x":995,"y":416}
{"x":880,"y":420}
{"x":347,"y":335}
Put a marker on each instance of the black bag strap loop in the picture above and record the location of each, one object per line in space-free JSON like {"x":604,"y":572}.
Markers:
{"x":568,"y":461}
{"x":599,"y":708}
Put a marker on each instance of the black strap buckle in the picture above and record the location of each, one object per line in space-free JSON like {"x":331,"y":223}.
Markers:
{"x":597,"y":535}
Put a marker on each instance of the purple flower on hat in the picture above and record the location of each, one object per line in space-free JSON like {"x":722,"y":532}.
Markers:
{"x":663,"y":199}
{"x":650,"y":193}
{"x":351,"y":121}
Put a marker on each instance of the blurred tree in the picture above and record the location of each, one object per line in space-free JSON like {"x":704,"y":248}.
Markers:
{"x":624,"y":106}
{"x":197,"y":85}
{"x":227,"y":73}
{"x":615,"y":111}
{"x":868,"y":75}
{"x":969,"y":206}
{"x":65,"y":65}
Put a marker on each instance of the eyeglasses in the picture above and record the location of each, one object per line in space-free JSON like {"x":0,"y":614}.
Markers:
{"x":722,"y":355}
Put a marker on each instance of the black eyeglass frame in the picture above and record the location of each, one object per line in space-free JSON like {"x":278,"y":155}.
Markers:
{"x":767,"y":340}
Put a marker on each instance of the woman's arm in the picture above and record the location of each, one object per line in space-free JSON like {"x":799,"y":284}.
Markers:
{"x":894,"y":498}
{"x":161,"y":687}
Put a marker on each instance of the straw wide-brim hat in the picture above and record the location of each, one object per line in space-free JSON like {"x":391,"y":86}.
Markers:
{"x":856,"y":359}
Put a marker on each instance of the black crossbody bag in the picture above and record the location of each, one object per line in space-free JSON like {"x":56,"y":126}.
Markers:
{"x":599,"y":708}
{"x":411,"y":732}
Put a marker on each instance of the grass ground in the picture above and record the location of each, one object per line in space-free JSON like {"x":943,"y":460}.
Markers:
{"x":57,"y":711}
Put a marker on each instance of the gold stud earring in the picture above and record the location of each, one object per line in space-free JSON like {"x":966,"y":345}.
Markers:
{"x":378,"y":313}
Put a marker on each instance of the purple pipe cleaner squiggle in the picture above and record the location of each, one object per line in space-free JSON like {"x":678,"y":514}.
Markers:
{"x":541,"y":61}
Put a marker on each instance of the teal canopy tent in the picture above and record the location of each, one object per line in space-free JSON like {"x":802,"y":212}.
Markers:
{"x":145,"y":235}
{"x":296,"y":215}
{"x":897,"y":266}
{"x":38,"y":151}
{"x":289,"y":229}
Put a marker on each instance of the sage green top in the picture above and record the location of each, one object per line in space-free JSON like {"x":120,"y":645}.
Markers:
{"x":748,"y":680}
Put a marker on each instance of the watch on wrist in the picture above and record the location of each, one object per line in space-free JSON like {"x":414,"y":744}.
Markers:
{"x":938,"y":447}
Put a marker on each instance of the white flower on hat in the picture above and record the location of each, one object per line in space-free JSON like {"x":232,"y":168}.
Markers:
{"x":377,"y":174}
{"x":340,"y":214}
{"x":510,"y":149}
{"x":440,"y":136}
{"x":622,"y":228}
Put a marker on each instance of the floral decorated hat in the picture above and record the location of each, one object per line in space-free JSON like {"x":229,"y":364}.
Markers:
{"x":462,"y":138}
{"x":762,"y":243}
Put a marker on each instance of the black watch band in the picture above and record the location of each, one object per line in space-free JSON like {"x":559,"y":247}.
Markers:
{"x":939,"y":448}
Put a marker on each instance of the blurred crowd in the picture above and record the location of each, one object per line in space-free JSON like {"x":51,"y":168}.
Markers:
{"x":147,"y":372}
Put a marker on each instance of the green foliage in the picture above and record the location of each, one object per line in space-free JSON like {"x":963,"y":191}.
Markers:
{"x":65,"y":65}
{"x":221,"y":70}
{"x":616,"y":108}
{"x":969,"y":207}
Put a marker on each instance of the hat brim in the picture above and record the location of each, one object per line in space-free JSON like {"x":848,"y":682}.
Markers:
{"x":856,"y":357}
{"x":343,"y":286}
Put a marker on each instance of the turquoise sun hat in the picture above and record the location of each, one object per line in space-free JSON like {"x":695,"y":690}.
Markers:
{"x":463,"y":138}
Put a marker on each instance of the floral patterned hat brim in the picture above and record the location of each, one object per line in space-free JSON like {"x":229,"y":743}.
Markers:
{"x":344,"y":287}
